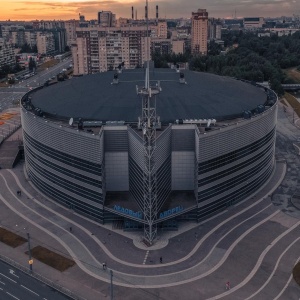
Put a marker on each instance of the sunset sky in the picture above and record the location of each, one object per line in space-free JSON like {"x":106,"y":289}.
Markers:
{"x":69,"y":9}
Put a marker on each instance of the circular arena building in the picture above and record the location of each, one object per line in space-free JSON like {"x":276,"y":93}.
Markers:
{"x":214,"y":144}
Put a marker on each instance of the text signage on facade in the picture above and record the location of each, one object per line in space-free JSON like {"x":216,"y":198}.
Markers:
{"x":128,"y":212}
{"x":171,"y":211}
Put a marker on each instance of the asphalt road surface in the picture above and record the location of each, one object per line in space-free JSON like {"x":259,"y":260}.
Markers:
{"x":15,"y":285}
{"x":8,"y":95}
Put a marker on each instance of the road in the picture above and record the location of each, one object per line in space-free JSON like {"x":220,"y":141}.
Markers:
{"x":8,"y":95}
{"x":16,"y":285}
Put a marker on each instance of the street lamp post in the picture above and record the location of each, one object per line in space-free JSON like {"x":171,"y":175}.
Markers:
{"x":111,"y":285}
{"x":30,"y":261}
{"x":294,"y":109}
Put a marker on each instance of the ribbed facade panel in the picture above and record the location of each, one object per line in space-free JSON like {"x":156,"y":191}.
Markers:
{"x":163,"y":147}
{"x":70,"y":141}
{"x":116,"y":171}
{"x":183,"y":138}
{"x":136,"y":150}
{"x":163,"y":166}
{"x":234,"y":137}
{"x":230,"y":177}
{"x":222,"y":166}
{"x":183,"y":170}
{"x":116,"y":139}
{"x":64,"y":175}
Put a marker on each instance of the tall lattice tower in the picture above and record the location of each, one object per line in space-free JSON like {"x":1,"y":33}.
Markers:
{"x":149,"y":123}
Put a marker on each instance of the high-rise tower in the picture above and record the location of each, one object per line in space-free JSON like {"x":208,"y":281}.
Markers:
{"x":199,"y":32}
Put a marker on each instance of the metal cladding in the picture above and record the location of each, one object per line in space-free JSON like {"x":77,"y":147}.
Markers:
{"x":203,"y":162}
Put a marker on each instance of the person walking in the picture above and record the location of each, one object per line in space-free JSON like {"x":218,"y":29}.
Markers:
{"x":227,"y":285}
{"x":160,"y":259}
{"x":104,"y":266}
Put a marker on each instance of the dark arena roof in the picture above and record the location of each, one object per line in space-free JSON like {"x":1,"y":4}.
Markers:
{"x":95,"y":97}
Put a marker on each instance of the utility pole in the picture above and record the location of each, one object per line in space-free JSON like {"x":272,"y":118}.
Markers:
{"x":30,"y":260}
{"x":111,"y":286}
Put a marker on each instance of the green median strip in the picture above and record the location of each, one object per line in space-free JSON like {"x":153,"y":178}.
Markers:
{"x":11,"y":239}
{"x":51,"y":258}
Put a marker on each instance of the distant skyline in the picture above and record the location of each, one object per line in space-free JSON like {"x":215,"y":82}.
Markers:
{"x":70,"y":9}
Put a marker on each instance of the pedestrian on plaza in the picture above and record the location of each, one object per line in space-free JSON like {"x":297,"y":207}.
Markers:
{"x":104,"y":266}
{"x":70,"y":228}
{"x":227,"y":285}
{"x":160,"y":259}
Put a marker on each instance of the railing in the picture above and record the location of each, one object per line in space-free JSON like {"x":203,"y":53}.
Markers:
{"x":41,"y":278}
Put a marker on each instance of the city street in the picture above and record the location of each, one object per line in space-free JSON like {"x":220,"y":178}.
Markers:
{"x":19,"y":286}
{"x":11,"y":94}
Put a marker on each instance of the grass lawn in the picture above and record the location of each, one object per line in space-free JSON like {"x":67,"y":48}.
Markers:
{"x":293,"y":73}
{"x":293,"y":102}
{"x":11,"y":239}
{"x":296,"y":273}
{"x":51,"y":258}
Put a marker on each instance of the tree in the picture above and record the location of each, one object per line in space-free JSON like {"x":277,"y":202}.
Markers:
{"x":31,"y":64}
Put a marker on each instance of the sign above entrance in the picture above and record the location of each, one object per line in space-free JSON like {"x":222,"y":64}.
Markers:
{"x":171,"y":211}
{"x":128,"y":212}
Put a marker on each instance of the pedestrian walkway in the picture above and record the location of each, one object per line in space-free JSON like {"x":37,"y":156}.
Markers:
{"x":82,"y":241}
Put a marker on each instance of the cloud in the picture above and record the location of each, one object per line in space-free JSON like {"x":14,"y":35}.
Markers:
{"x":170,"y":8}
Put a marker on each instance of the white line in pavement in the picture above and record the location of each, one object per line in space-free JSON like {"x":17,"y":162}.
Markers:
{"x":12,"y":295}
{"x":284,"y":288}
{"x":146,"y":256}
{"x":81,"y":265}
{"x":107,"y":252}
{"x":29,"y":290}
{"x":257,"y":265}
{"x":277,"y":263}
{"x":8,"y":278}
{"x":131,"y":285}
{"x":2,"y":282}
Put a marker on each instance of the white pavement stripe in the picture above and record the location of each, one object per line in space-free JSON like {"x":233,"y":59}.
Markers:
{"x":107,"y":252}
{"x":12,"y":295}
{"x":257,"y":265}
{"x":284,"y":288}
{"x":277,"y":263}
{"x":8,"y":278}
{"x":29,"y":290}
{"x":146,"y":256}
{"x":2,"y":282}
{"x":227,"y":253}
{"x":131,"y":285}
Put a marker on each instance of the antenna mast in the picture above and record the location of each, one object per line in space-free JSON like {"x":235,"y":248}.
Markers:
{"x":149,"y":123}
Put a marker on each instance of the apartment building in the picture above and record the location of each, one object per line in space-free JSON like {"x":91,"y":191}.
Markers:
{"x":70,"y":27}
{"x":7,"y":53}
{"x":199,"y":32}
{"x":161,"y":46}
{"x":45,"y":43}
{"x":178,"y":46}
{"x":99,"y":49}
{"x":106,"y":19}
{"x":214,"y":29}
{"x":254,"y":22}
{"x":159,"y":29}
{"x":21,"y":37}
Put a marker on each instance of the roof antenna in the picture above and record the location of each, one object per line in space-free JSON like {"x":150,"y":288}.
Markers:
{"x":147,"y":80}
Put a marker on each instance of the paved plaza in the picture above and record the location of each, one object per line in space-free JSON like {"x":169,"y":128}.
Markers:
{"x":253,"y":245}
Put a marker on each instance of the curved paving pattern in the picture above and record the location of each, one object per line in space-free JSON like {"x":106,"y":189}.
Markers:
{"x":254,"y":244}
